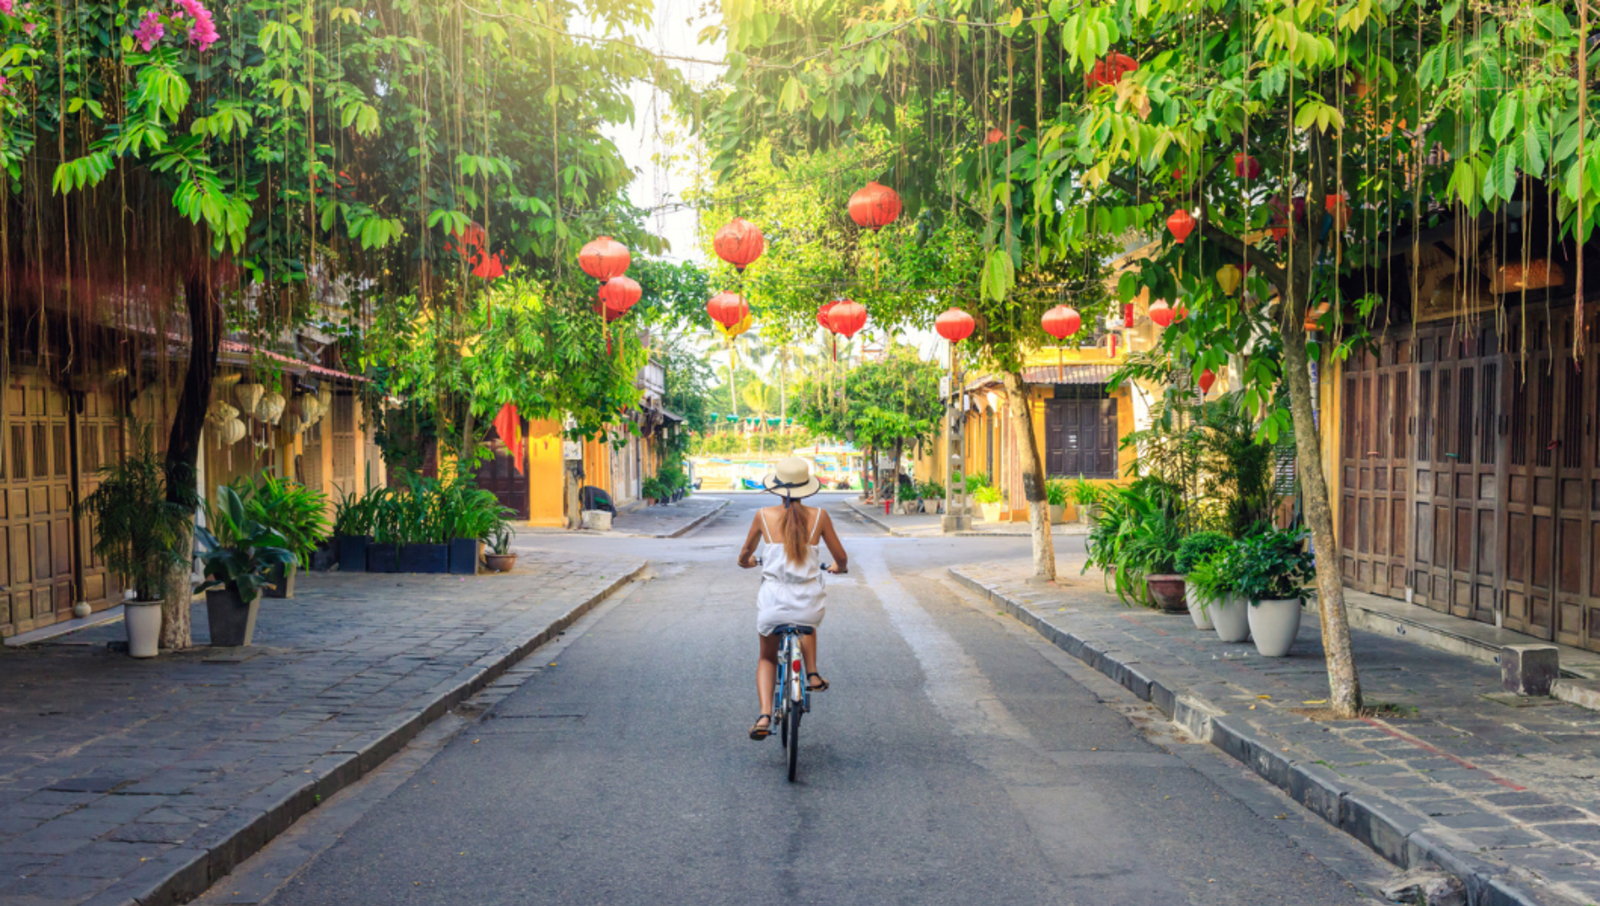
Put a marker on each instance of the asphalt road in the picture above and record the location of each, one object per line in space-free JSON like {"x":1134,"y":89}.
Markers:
{"x":957,"y":760}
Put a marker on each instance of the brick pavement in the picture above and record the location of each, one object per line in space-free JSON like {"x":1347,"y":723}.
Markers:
{"x":667,"y":520}
{"x":1502,"y":794}
{"x":923,"y":525}
{"x":123,"y":779}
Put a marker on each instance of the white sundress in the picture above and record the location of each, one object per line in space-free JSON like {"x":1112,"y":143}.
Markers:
{"x":790,"y":593}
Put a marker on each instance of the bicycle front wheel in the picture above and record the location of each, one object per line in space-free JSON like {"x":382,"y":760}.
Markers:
{"x":792,"y":740}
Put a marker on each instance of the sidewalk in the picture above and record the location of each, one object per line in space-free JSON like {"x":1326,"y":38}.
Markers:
{"x":126,"y":781}
{"x":668,"y":520}
{"x":1499,"y":792}
{"x":924,"y":525}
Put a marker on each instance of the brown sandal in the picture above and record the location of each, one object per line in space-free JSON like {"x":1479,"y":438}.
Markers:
{"x":821,"y":686}
{"x":758,"y":732}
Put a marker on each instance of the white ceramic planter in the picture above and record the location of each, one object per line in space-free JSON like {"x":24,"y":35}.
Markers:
{"x":991,"y":511}
{"x":143,"y":619}
{"x":1058,"y":514}
{"x":1197,"y":612}
{"x":1274,"y":624}
{"x":1231,"y":619}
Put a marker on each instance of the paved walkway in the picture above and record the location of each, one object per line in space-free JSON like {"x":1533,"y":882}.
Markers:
{"x":923,"y":525}
{"x":1502,"y":794}
{"x":667,"y":520}
{"x":124,"y":780}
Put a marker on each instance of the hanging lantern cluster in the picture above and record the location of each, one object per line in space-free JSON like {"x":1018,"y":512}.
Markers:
{"x":1061,"y":322}
{"x":847,"y":318}
{"x":875,"y":206}
{"x":619,"y":294}
{"x":604,"y":258}
{"x":954,"y":325}
{"x":739,"y":243}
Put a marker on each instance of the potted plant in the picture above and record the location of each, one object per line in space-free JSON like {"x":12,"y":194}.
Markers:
{"x":932,"y":496}
{"x":1153,"y":554}
{"x":383,"y":554}
{"x":353,"y":518}
{"x":501,"y":558}
{"x":1055,"y":494}
{"x":1274,"y":567}
{"x":1196,"y":549}
{"x":1215,"y":581}
{"x":469,"y":514}
{"x":420,"y":524}
{"x":294,"y":511}
{"x":652,"y":491}
{"x":141,"y":536}
{"x":237,"y":553}
{"x":1085,"y":497}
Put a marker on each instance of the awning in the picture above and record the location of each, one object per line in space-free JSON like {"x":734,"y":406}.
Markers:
{"x":1069,"y":374}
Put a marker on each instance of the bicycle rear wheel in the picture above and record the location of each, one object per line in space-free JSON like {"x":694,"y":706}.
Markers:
{"x":792,"y":740}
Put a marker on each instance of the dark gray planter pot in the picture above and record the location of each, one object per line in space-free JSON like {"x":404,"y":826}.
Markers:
{"x":424,"y":558}
{"x":383,"y":558}
{"x":232,"y":620}
{"x":325,"y":557}
{"x":353,"y":552}
{"x":280,"y":580}
{"x":464,"y":556}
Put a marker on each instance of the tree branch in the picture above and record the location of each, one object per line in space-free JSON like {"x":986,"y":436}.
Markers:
{"x":1254,"y":256}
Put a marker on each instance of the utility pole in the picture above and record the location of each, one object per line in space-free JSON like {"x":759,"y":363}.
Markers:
{"x":957,"y":517}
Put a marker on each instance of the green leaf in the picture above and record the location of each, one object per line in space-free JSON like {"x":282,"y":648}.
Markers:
{"x":1504,"y":117}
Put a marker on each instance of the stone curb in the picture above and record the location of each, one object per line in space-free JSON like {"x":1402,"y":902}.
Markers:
{"x":180,"y":875}
{"x":867,"y":515}
{"x":696,"y":523}
{"x":876,"y":520}
{"x":1385,"y":826}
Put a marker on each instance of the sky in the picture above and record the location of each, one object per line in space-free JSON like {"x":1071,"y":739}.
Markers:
{"x":672,"y":33}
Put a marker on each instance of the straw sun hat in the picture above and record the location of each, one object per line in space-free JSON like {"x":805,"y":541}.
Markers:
{"x":791,"y":478}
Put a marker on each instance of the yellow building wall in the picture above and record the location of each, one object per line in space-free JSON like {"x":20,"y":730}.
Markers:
{"x":546,"y":475}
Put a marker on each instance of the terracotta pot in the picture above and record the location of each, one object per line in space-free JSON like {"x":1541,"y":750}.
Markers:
{"x":500,"y":563}
{"x":1167,"y":590}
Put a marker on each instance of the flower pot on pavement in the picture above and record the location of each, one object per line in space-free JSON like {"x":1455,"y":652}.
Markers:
{"x":1274,"y":625}
{"x":1058,"y":513}
{"x":1167,"y":590}
{"x":464,"y":555}
{"x":353,"y":552}
{"x":143,"y":619}
{"x":1197,"y":609}
{"x":383,"y":558}
{"x":500,"y":563}
{"x":424,"y":558}
{"x":232,"y":619}
{"x":1231,"y":619}
{"x":280,"y":580}
{"x":991,"y":511}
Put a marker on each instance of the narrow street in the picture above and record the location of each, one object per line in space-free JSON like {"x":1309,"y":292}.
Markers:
{"x":958,"y":759}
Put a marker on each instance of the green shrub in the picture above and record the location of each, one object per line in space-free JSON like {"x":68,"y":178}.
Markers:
{"x":298,"y":513}
{"x":652,"y":488}
{"x":1274,"y":565}
{"x":1055,"y":492}
{"x":1084,"y":493}
{"x":987,"y":494}
{"x":138,"y":533}
{"x":1200,"y":546}
{"x":930,"y":490}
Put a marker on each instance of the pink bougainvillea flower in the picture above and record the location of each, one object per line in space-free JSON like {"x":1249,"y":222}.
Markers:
{"x":8,"y":7}
{"x":149,"y":31}
{"x":203,"y":34}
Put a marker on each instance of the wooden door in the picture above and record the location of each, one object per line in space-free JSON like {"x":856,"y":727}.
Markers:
{"x":343,"y":418}
{"x":1374,"y":468}
{"x":98,"y":442}
{"x":1572,"y":461}
{"x":36,"y":557}
{"x":499,"y":475}
{"x":1529,"y":399}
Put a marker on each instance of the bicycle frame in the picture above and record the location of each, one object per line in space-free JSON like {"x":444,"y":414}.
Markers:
{"x":790,"y":688}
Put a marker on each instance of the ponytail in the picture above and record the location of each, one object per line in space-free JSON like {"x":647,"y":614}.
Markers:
{"x":794,"y":529}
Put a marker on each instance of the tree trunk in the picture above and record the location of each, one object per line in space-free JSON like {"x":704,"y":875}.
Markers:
{"x":1044,"y":549}
{"x":1344,"y":686}
{"x":183,"y":444}
{"x":899,"y":449}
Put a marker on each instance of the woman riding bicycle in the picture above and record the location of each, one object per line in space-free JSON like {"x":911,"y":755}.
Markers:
{"x":783,"y":541}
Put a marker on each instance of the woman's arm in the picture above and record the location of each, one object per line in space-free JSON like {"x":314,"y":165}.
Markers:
{"x":841,"y":560}
{"x":747,"y":552}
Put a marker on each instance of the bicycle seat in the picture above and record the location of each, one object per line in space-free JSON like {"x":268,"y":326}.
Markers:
{"x":791,"y":627}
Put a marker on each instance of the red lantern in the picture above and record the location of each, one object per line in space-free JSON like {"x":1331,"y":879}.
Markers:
{"x":1181,"y":223}
{"x":1207,"y":378}
{"x":727,"y":309}
{"x":610,"y":315}
{"x":739,"y":243}
{"x":1109,"y":70}
{"x":874,"y":206}
{"x":1127,"y":314}
{"x":996,"y":136}
{"x":604,"y":258}
{"x":1161,"y":313}
{"x":619,"y":293}
{"x":1061,"y":322}
{"x":1111,"y":349}
{"x":1246,"y":167}
{"x":822,"y":315}
{"x":847,"y":317}
{"x":1340,"y":209}
{"x":1179,"y":312}
{"x":954,"y":325}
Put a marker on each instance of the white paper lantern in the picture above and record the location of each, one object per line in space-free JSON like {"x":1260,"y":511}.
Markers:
{"x":232,"y":432}
{"x":249,"y":396}
{"x":270,"y":409}
{"x":220,"y":412}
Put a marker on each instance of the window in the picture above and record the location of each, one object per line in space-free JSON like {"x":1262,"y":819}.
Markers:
{"x":1081,"y":436}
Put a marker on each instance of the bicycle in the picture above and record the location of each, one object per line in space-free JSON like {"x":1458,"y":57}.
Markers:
{"x":791,"y":695}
